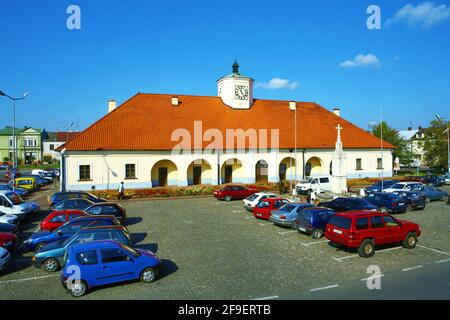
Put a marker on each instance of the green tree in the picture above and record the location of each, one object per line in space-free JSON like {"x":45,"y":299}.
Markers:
{"x":391,"y":135}
{"x":435,"y":144}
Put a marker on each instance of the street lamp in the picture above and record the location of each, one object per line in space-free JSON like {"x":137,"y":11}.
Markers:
{"x":448,"y":140}
{"x":67,"y":130}
{"x":14,"y":121}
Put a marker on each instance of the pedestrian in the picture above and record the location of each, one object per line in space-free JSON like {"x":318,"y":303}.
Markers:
{"x":313,"y":197}
{"x":121,"y":191}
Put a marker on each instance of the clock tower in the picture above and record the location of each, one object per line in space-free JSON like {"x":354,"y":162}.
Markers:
{"x":235,"y":89}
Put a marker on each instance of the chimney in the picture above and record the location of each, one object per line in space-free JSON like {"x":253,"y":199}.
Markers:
{"x":175,"y":101}
{"x":409,"y":128}
{"x":337,"y":111}
{"x":292,"y":105}
{"x":112,"y":104}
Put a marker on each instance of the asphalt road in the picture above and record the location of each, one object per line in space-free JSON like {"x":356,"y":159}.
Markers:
{"x":217,"y":250}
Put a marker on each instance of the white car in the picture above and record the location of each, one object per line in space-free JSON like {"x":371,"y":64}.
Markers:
{"x":251,"y":202}
{"x":319,"y":183}
{"x":11,"y":203}
{"x":5,"y":256}
{"x":403,"y":186}
{"x":8,"y":218}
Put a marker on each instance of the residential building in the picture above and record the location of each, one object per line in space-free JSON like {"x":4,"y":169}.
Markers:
{"x":28,"y":144}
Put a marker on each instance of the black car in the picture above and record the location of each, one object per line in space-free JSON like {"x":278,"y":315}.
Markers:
{"x":414,"y":199}
{"x":347,"y":204}
{"x":108,"y":208}
{"x":73,"y":204}
{"x":64,"y":195}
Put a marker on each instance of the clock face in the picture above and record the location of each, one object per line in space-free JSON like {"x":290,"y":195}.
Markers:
{"x":241,"y":93}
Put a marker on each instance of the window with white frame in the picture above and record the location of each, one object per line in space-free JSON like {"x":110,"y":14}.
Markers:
{"x":84,"y":172}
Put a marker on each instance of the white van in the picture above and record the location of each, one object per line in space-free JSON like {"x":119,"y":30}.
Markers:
{"x":322,"y":183}
{"x":12,"y":204}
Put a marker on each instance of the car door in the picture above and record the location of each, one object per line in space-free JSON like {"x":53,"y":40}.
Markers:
{"x":394,"y":232}
{"x":90,"y":266}
{"x":116,"y":265}
{"x":5,"y":205}
{"x":377,"y":230}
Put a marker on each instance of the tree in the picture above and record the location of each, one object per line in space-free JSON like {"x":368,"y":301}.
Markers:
{"x":391,"y":135}
{"x":435,"y":144}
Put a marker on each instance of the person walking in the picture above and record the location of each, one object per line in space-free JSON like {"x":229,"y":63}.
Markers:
{"x":121,"y":191}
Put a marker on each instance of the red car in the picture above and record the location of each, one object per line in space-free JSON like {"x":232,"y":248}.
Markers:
{"x":366,"y":229}
{"x":58,"y":218}
{"x":8,"y":240}
{"x":234,"y":192}
{"x":264,"y":208}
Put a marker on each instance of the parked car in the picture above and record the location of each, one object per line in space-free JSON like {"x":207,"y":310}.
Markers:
{"x":250,"y":202}
{"x":347,"y":204}
{"x":8,"y":240}
{"x":12,"y":173}
{"x":264,"y":208}
{"x":233,"y":192}
{"x":58,"y":218}
{"x":11,"y":203}
{"x":8,"y":218}
{"x":313,"y":221}
{"x":108,"y":208}
{"x":39,"y":239}
{"x":60,"y":196}
{"x":380,"y":186}
{"x":5,"y":257}
{"x":322,"y":183}
{"x":40,"y":181}
{"x":50,"y":257}
{"x":73,"y":204}
{"x":433,"y":180}
{"x":8,"y":228}
{"x":414,"y":199}
{"x":387,"y":202}
{"x":287,"y":214}
{"x":19,"y":191}
{"x":107,"y":262}
{"x":365,"y":230}
{"x":446,"y":178}
{"x":25,"y":183}
{"x":5,"y":166}
{"x":405,"y":186}
{"x":432,"y":193}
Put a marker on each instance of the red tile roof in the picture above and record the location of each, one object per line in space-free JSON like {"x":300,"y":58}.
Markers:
{"x":146,"y":122}
{"x":66,"y":136}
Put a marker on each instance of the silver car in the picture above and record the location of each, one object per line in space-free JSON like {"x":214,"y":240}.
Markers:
{"x":287,"y":214}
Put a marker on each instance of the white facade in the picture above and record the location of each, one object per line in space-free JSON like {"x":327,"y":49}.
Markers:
{"x":105,"y":170}
{"x":49,"y":149}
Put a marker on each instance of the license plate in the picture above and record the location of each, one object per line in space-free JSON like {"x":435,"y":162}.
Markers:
{"x":402,"y":204}
{"x":302,"y":229}
{"x":259,"y":214}
{"x":337,"y":231}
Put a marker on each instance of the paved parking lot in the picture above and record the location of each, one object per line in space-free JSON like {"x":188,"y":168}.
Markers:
{"x":217,"y":250}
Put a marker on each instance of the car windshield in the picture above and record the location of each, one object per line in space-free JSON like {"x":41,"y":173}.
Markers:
{"x":130,"y":250}
{"x":398,"y":186}
{"x":287,"y":207}
{"x":252,"y":197}
{"x":340,"y":222}
{"x":263,"y":204}
{"x":14,"y":198}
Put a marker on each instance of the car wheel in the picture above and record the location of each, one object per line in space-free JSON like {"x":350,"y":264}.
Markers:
{"x":227,"y":198}
{"x":366,"y":249}
{"x":410,"y":241}
{"x":317,"y":234}
{"x":78,"y":289}
{"x":148,"y":275}
{"x":39,"y":246}
{"x":50,"y":265}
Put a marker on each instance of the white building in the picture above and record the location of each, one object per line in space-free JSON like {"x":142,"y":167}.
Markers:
{"x":53,"y":141}
{"x":415,"y":139}
{"x":163,"y":139}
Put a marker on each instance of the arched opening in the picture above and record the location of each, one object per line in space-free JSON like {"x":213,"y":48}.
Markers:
{"x":314,"y":167}
{"x":199,"y":172}
{"x":231,"y":171}
{"x":286,"y":170}
{"x":164,"y":173}
{"x":261,"y":171}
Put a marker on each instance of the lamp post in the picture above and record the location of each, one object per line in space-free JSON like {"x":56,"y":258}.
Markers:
{"x":448,"y":141}
{"x":67,"y":130}
{"x":14,"y":121}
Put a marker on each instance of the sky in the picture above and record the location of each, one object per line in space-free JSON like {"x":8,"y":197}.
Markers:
{"x":319,"y":51}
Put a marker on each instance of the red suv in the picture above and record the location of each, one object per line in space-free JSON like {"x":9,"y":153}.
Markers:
{"x":234,"y":192}
{"x":366,"y":229}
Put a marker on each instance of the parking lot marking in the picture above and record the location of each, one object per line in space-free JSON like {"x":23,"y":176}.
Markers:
{"x":286,"y":232}
{"x":412,"y":268}
{"x":355,"y":255}
{"x":316,"y":242}
{"x":442,"y":261}
{"x":373,"y":277}
{"x":324,"y":288}
{"x":434,"y":250}
{"x":29,"y":279}
{"x":267,"y":298}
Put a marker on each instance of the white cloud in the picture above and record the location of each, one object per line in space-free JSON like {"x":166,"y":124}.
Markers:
{"x":361,"y":61}
{"x":426,"y":15}
{"x":278,"y":83}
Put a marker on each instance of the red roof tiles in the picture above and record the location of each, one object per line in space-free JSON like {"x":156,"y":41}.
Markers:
{"x":146,"y":122}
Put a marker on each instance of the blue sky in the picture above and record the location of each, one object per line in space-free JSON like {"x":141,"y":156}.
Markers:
{"x":130,"y":46}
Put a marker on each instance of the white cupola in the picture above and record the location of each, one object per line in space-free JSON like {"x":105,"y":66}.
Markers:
{"x":236,"y":90}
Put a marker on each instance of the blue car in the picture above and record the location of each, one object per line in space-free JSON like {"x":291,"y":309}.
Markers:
{"x":379,"y":187}
{"x":414,"y":199}
{"x":105,"y":262}
{"x":19,"y":191}
{"x":287,"y":214}
{"x":64,"y":232}
{"x":388,"y":202}
{"x":432,"y":193}
{"x":313,"y":221}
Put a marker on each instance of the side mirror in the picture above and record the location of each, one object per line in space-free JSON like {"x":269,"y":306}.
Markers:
{"x":59,"y":233}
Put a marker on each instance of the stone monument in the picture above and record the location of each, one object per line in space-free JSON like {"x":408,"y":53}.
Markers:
{"x":339,"y":173}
